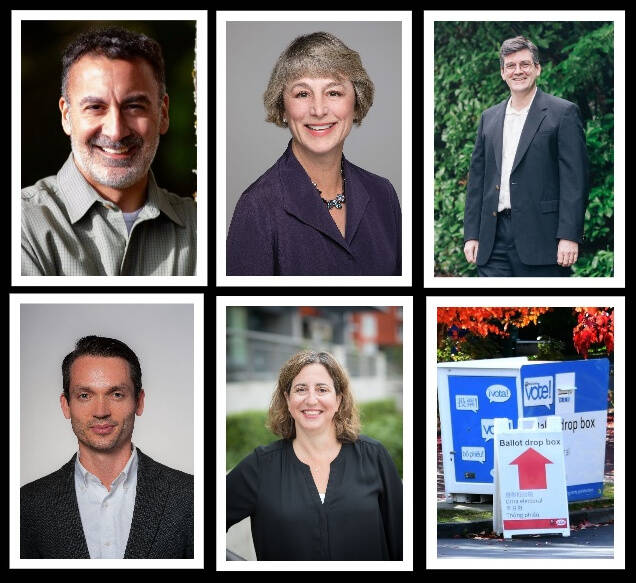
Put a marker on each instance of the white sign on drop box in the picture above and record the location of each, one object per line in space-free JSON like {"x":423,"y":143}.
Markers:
{"x":530,"y":490}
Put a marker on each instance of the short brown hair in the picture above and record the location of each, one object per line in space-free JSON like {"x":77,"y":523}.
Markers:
{"x":317,"y":54}
{"x":516,"y":44}
{"x":347,"y":420}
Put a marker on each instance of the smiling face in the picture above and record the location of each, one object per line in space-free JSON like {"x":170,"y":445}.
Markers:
{"x":114,"y":118}
{"x":312,"y":400}
{"x":319,"y":113}
{"x":102,"y":404}
{"x":519,"y":72}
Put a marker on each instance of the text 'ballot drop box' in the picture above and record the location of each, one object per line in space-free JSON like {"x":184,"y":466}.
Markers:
{"x":473,"y":393}
{"x":530,"y":493}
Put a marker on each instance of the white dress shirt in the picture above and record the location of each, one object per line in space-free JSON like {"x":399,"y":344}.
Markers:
{"x":106,"y":516}
{"x":513,"y":126}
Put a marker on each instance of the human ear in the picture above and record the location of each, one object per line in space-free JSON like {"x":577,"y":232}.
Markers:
{"x":140,"y":403}
{"x":66,"y":114}
{"x":164,"y":124}
{"x":66,"y":410}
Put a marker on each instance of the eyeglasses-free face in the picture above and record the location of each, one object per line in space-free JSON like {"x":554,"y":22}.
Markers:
{"x":519,"y":71}
{"x":319,"y":114}
{"x":312,"y":399}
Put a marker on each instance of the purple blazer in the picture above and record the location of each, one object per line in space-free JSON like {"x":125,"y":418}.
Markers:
{"x":281,"y":226}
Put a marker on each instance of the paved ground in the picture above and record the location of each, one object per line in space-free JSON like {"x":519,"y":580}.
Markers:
{"x":593,"y":542}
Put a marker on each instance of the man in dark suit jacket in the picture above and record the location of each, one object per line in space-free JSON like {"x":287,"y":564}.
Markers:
{"x":162,"y":523}
{"x":112,"y":501}
{"x":528,"y":180}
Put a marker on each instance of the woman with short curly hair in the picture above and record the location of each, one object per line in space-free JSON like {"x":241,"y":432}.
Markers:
{"x":314,"y":212}
{"x":323,"y":492}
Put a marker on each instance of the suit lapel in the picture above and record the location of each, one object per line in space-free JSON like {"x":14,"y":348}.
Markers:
{"x":498,"y":137}
{"x":301,"y":199}
{"x":538,"y":110}
{"x":357,"y":200}
{"x":67,"y":515}
{"x":150,"y":501}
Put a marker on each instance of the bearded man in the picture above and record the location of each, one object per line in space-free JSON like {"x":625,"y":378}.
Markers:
{"x":103,"y":213}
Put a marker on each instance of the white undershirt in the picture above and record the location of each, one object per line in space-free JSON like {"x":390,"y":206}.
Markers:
{"x":130,"y":218}
{"x":513,"y":126}
{"x":322,"y":497}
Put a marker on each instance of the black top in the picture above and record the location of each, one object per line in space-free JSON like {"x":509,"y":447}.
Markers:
{"x":360,"y":520}
{"x":161,"y":527}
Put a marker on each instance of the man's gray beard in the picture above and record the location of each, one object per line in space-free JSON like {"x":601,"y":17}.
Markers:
{"x":112,"y":176}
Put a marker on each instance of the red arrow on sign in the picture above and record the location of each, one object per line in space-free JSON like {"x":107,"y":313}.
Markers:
{"x":532,"y":474}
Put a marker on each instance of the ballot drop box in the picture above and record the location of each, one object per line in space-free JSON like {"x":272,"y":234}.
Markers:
{"x":473,"y":393}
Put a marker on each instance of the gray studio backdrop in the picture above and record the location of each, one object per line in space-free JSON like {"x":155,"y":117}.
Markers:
{"x":254,"y":145}
{"x":162,"y":337}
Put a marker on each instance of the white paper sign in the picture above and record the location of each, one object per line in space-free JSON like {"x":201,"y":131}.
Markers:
{"x":530,"y":490}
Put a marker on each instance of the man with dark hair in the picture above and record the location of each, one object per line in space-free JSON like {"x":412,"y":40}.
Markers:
{"x":528,"y":180}
{"x":103,"y":213}
{"x":110,"y":501}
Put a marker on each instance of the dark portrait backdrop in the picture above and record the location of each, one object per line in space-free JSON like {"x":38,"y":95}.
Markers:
{"x":45,"y":146}
{"x":577,"y":64}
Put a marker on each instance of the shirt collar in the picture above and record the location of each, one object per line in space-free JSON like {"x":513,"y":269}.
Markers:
{"x":80,"y":196}
{"x":510,"y":110}
{"x":129,"y":472}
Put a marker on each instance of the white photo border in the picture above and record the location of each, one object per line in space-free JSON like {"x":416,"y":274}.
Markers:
{"x":434,"y":302}
{"x":223,"y":302}
{"x":15,"y":302}
{"x":201,"y":55}
{"x":405,"y":280}
{"x":618,"y":280}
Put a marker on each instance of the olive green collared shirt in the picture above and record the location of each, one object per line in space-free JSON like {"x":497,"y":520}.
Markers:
{"x":69,"y":229}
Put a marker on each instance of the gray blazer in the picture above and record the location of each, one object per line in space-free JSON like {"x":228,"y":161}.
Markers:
{"x":548,"y":182}
{"x":162,"y":524}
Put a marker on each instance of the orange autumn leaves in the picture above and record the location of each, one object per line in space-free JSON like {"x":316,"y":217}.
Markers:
{"x":484,"y":321}
{"x":595,"y":325}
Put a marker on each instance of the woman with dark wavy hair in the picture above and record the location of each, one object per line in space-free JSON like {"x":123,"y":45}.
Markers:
{"x":323,"y":492}
{"x":314,"y":212}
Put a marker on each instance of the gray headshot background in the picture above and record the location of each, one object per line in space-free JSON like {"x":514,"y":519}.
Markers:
{"x":253,"y":145}
{"x":162,"y":337}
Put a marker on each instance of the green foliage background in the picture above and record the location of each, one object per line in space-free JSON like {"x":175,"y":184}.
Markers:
{"x":380,"y":420}
{"x":577,"y":60}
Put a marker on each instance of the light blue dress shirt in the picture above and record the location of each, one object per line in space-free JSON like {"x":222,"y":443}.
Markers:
{"x":106,"y":516}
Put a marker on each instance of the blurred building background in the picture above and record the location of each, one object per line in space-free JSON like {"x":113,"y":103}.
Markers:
{"x":366,"y":340}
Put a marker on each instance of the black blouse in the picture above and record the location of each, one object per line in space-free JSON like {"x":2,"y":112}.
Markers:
{"x":360,"y":520}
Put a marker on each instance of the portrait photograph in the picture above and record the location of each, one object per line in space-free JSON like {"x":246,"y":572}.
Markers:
{"x":109,"y":146}
{"x":314,"y":463}
{"x":527,"y":148}
{"x":314,"y":148}
{"x":105,"y":454}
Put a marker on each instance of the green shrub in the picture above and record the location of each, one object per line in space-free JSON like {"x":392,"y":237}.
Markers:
{"x":244,"y":432}
{"x":470,"y":348}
